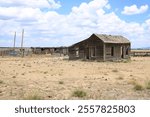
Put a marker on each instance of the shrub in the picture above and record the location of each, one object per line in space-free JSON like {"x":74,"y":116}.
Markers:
{"x":127,"y":61}
{"x":45,"y":72}
{"x":61,"y":82}
{"x":115,"y":70}
{"x":138,"y":87}
{"x":13,"y":76}
{"x":1,"y":82}
{"x":148,"y":85}
{"x":79,"y":93}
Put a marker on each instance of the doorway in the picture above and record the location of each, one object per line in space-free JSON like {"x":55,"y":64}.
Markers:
{"x":90,"y":52}
{"x":122,"y":52}
{"x":112,"y":51}
{"x":87,"y":53}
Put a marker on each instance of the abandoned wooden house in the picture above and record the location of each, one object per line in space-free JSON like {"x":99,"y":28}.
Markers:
{"x":101,"y":47}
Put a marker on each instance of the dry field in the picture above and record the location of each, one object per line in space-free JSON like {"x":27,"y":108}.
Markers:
{"x":46,"y":77}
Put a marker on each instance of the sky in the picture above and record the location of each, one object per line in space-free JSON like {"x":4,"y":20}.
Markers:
{"x":52,"y":23}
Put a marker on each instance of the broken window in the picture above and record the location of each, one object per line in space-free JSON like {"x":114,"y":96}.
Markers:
{"x":77,"y":52}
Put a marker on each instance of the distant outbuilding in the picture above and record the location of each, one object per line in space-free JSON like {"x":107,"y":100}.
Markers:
{"x":101,"y":47}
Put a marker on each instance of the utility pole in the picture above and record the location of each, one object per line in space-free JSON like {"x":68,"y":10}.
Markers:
{"x":14,"y":40}
{"x":22,"y":50}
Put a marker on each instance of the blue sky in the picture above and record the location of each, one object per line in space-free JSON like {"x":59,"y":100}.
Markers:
{"x":116,"y":6}
{"x":68,"y":4}
{"x":120,"y":4}
{"x":65,"y":22}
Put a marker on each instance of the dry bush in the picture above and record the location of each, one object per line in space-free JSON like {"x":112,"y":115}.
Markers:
{"x":1,"y":82}
{"x":13,"y":76}
{"x":61,"y":82}
{"x":127,"y":61}
{"x":148,"y":85}
{"x":45,"y":72}
{"x":114,"y":70}
{"x":138,"y":87}
{"x":79,"y":93}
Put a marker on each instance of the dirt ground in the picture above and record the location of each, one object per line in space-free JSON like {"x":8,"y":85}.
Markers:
{"x":46,"y":77}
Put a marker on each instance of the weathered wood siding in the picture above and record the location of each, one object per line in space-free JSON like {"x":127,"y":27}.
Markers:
{"x":84,"y":49}
{"x":119,"y":52}
{"x":94,"y":48}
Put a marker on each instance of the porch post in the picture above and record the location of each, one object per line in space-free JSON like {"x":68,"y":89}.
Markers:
{"x":104,"y":52}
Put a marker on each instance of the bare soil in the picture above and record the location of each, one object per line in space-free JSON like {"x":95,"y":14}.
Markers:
{"x":46,"y":77}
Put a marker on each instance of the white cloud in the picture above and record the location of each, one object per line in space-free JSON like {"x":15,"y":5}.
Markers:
{"x":108,"y":6}
{"x":148,"y":22}
{"x":19,"y":13}
{"x":131,"y":10}
{"x":53,"y":29}
{"x":30,"y":3}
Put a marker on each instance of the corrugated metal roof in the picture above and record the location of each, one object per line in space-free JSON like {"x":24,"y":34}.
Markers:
{"x":112,"y":38}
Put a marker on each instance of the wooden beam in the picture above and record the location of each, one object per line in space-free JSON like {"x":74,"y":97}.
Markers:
{"x":14,"y":40}
{"x":22,"y":51}
{"x":104,"y":52}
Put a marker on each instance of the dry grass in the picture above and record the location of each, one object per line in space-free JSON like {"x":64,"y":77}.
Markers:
{"x":138,"y":87}
{"x":45,"y":72}
{"x":73,"y":79}
{"x":61,"y":82}
{"x":127,"y":61}
{"x":1,"y":82}
{"x":13,"y":76}
{"x":148,"y":85}
{"x":114,"y":70}
{"x":33,"y":97}
{"x":79,"y":93}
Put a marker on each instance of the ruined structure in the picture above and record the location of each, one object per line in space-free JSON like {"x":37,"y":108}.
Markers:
{"x":101,"y":47}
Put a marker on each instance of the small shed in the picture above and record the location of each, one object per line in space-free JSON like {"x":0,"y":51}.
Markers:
{"x":101,"y":47}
